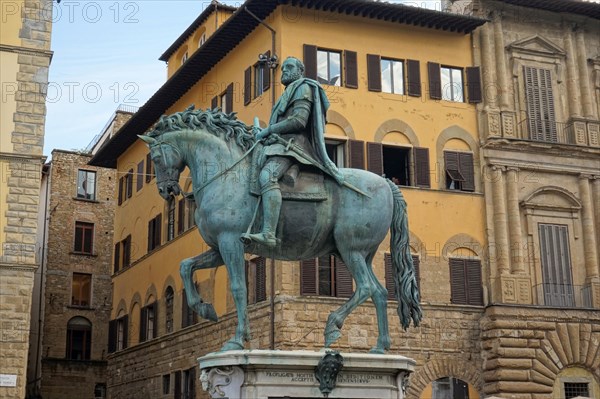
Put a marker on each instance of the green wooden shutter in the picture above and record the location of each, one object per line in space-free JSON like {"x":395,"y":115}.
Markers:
{"x":422,"y":176}
{"x":350,"y":69}
{"x":310,"y":61}
{"x":374,"y":72}
{"x":375,"y":158}
{"x":308,"y":277}
{"x":435,"y":81}
{"x":413,"y":70}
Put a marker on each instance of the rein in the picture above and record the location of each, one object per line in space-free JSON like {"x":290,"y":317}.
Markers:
{"x":215,"y":177}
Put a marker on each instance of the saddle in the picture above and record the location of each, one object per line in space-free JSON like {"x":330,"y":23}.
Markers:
{"x":300,"y":182}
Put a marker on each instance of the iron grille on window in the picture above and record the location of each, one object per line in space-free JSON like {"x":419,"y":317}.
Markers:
{"x":574,"y":389}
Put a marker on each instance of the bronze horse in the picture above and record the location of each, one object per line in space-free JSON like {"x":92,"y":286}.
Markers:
{"x":348,"y":225}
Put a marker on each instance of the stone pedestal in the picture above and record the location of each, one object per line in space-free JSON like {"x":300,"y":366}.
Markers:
{"x":291,"y":374}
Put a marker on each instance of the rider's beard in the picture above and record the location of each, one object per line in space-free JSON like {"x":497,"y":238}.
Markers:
{"x":290,"y":77}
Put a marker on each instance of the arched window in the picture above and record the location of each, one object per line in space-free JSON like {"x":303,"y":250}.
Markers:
{"x":79,"y":338}
{"x":169,"y":295}
{"x":451,"y":387}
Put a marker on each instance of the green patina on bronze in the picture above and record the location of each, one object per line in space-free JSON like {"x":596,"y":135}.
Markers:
{"x":358,"y":211}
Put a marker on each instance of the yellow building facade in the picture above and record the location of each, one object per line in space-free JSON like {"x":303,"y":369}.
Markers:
{"x":403,"y":90}
{"x":24,"y":60}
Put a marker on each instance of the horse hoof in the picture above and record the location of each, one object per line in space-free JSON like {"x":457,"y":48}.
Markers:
{"x":232,"y":345}
{"x":207,"y":311}
{"x":377,"y":351}
{"x":331,"y":337}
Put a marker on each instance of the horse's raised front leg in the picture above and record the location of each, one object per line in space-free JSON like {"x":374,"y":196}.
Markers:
{"x":358,"y":269}
{"x":232,"y":252}
{"x":207,"y":260}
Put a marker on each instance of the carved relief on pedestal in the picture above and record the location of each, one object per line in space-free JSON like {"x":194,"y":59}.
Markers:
{"x":580,"y":133}
{"x":222,"y":382}
{"x":524,"y":291}
{"x":508,"y":124}
{"x":494,"y":124}
{"x":594,"y":134}
{"x":508,"y":290}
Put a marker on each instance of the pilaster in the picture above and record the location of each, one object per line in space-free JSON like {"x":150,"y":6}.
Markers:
{"x":573,"y":94}
{"x":514,"y":220}
{"x":589,"y":235}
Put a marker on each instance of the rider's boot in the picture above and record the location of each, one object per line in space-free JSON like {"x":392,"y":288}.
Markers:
{"x":271,"y":204}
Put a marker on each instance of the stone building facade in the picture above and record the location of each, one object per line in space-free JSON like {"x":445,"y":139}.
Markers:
{"x":24,"y":61}
{"x":540,"y":126}
{"x":76,"y":280}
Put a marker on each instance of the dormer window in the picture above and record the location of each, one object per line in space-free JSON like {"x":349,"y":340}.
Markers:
{"x":202,"y":40}
{"x":184,"y":58}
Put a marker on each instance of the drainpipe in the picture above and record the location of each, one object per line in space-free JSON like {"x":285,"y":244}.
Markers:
{"x":273,"y":33}
{"x":272,"y":268}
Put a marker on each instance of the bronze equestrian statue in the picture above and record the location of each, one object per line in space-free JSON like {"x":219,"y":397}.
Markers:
{"x":348,"y":215}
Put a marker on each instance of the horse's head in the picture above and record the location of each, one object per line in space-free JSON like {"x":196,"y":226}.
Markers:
{"x":168,"y":165}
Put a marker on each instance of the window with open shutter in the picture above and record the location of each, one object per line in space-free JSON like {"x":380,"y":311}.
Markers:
{"x":459,"y":170}
{"x":466,"y":168}
{"x":540,"y":104}
{"x":375,"y":158}
{"x":356,"y":149}
{"x":121,"y":179}
{"x":117,"y":259}
{"x":129,"y":180}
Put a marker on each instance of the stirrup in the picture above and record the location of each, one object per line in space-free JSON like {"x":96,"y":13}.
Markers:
{"x":267,"y":239}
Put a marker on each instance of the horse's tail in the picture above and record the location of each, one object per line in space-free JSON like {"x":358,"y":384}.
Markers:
{"x":407,"y":291}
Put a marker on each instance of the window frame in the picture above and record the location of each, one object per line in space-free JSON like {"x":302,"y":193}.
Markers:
{"x":469,"y":265}
{"x":402,"y":78}
{"x":81,"y":180}
{"x":86,"y":339}
{"x":169,"y":309}
{"x":340,"y":280}
{"x":450,"y":83}
{"x":339,"y":146}
{"x":82,"y":229}
{"x":82,"y":304}
{"x":459,"y":177}
{"x":327,"y":81}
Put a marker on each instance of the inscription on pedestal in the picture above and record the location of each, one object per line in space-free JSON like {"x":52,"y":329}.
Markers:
{"x":284,"y":378}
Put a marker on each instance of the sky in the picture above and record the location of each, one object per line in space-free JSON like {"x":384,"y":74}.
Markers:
{"x":105,"y":54}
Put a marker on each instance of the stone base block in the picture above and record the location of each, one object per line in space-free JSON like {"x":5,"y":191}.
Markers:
{"x":291,"y":374}
{"x":514,"y":289}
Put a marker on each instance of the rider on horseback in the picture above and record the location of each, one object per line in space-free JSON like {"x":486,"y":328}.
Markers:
{"x":298,"y":118}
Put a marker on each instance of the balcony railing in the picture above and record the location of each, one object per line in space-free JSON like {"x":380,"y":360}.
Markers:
{"x":564,"y":295}
{"x":544,"y":130}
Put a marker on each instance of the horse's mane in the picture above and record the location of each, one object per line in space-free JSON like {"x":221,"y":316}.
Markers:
{"x":213,"y":121}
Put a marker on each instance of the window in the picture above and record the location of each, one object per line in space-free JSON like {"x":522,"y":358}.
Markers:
{"x":390,"y":285}
{"x":84,"y":238}
{"x":555,"y":258}
{"x":122,"y":254}
{"x":166,"y":384}
{"x":329,"y":67}
{"x":189,"y":383}
{"x":190,"y":205}
{"x":148,"y":322}
{"x":188,"y":316}
{"x":149,"y":168}
{"x":575,"y":389}
{"x":79,"y":338}
{"x":256,"y":280}
{"x":224,"y":100}
{"x":450,"y":387}
{"x":465,"y":282}
{"x":392,"y":76}
{"x":86,"y":184}
{"x":262,"y":78}
{"x":118,"y":334}
{"x":336,"y":151}
{"x":100,"y":391}
{"x":154,"y":232}
{"x":539,"y":96}
{"x":202,"y":40}
{"x":325,"y":276}
{"x":171,"y":220}
{"x":81,"y":290}
{"x":184,"y":58}
{"x":452,"y":84}
{"x":169,"y":296}
{"x":405,"y":166}
{"x":126,"y":186}
{"x":459,"y":171}
{"x":325,"y":66}
{"x":139,"y":183}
